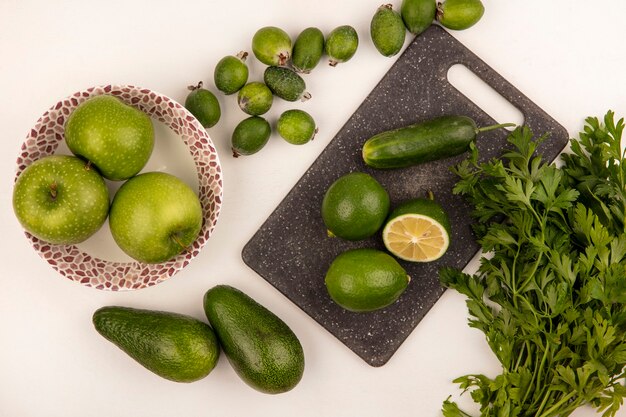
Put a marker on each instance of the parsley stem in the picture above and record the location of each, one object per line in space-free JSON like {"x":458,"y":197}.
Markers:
{"x":520,"y":356}
{"x":531,"y":275}
{"x":556,"y":406}
{"x":541,"y":366}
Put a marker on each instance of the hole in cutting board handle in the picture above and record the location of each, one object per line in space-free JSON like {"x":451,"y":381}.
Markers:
{"x":484,"y":96}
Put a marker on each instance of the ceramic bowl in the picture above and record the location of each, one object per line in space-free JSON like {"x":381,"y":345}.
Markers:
{"x":85,"y":263}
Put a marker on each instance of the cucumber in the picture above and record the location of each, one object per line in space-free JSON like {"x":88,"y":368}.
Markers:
{"x":435,"y":139}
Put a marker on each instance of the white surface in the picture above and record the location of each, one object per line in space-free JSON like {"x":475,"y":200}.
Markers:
{"x":566,"y":55}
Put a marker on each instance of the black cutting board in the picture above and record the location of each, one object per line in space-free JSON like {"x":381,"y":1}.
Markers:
{"x":291,"y":249}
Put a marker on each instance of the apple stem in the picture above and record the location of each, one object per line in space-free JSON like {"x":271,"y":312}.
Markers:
{"x":53,"y":190}
{"x":88,"y":166}
{"x":176,"y":239}
{"x":196,"y":87}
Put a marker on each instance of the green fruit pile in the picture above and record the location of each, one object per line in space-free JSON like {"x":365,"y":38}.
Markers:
{"x":388,"y":27}
{"x":356,"y":207}
{"x":262,"y":349}
{"x":63,"y":199}
{"x":285,"y":60}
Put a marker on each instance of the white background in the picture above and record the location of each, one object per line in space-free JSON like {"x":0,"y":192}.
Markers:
{"x":566,"y":55}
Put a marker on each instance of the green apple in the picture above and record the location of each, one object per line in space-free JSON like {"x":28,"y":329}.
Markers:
{"x":61,"y":199}
{"x":115,"y":137}
{"x":155,"y":216}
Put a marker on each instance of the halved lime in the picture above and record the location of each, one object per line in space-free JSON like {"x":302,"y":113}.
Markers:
{"x":417,"y":231}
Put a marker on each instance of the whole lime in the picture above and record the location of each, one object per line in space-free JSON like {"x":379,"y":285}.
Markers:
{"x":355,"y":206}
{"x":366,"y":279}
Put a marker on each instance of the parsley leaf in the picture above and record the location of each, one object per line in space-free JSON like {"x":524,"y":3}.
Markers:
{"x":551,"y":296}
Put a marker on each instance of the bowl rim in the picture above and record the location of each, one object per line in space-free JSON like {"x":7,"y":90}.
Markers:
{"x":44,"y":138}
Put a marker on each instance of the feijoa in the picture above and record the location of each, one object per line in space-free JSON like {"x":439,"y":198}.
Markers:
{"x":255,"y":98}
{"x":296,"y":127}
{"x":307,"y":50}
{"x":203,"y":105}
{"x":250,"y":136}
{"x":341,"y":44}
{"x":459,"y":14}
{"x":285,"y":83}
{"x":231,"y":73}
{"x":418,"y":15}
{"x":271,"y":46}
{"x":387,"y":30}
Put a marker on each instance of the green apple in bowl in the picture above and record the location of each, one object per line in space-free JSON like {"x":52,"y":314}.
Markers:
{"x":154,"y":217}
{"x":114,"y":136}
{"x":61,"y":199}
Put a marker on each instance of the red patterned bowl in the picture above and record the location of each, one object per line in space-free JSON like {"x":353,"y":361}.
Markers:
{"x":78,"y":265}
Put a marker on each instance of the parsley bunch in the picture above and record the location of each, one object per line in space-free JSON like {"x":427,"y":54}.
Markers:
{"x":550,"y":293}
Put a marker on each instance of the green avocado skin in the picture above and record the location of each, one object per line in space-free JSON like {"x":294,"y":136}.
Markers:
{"x":174,"y":346}
{"x":262,"y":349}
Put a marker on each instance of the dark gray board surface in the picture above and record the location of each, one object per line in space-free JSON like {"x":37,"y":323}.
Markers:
{"x":291,"y":249}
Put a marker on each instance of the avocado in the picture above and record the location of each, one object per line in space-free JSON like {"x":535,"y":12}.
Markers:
{"x":262,"y":349}
{"x":174,"y":346}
